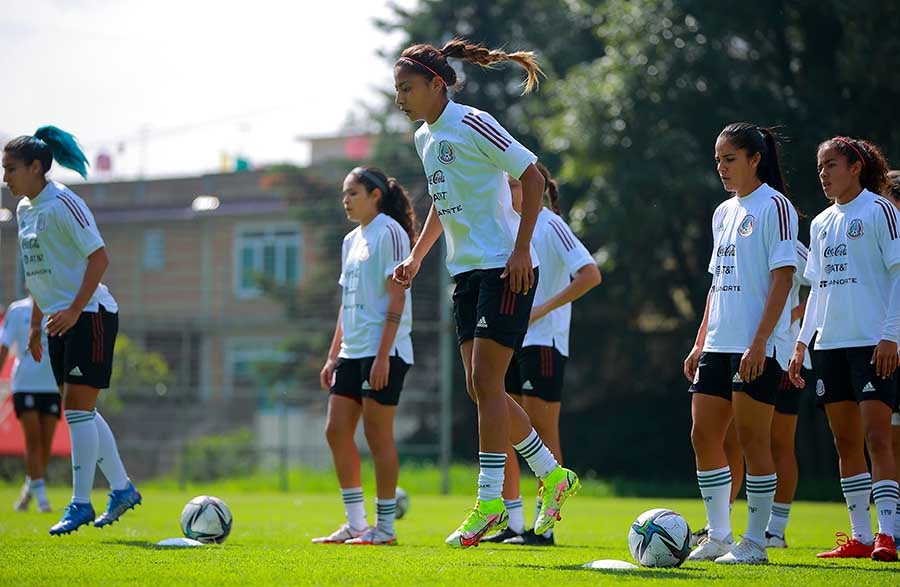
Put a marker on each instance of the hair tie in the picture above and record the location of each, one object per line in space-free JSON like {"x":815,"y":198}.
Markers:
{"x":419,"y":63}
{"x":855,"y":150}
{"x":362,"y":172}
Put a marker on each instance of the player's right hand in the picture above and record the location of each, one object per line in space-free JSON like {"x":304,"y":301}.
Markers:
{"x":406,"y":271}
{"x":34,"y":343}
{"x":326,"y":375}
{"x":796,"y":364}
{"x":691,"y":363}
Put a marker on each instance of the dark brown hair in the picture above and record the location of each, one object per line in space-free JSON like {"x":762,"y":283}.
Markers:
{"x":551,"y":188}
{"x":874,"y":173}
{"x":757,"y":139}
{"x":430,"y":61}
{"x":892,"y":189}
{"x":395,"y":200}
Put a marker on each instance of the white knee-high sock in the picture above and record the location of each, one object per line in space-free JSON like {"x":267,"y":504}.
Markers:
{"x":516,"y":514}
{"x":857,"y":490}
{"x":355,"y":507}
{"x":715,"y":488}
{"x":490,"y":475}
{"x":885,"y":494}
{"x":83,"y":435}
{"x":109,"y":461}
{"x":536,"y":454}
{"x":760,"y":495}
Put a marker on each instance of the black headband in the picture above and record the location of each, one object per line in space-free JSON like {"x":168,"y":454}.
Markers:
{"x":359,"y":171}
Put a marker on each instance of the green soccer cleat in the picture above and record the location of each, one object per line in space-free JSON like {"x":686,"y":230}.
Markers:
{"x":486,"y":516}
{"x":557,"y":487}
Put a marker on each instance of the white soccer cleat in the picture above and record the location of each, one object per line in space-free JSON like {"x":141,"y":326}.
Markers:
{"x":341,"y":535}
{"x":773,"y":541}
{"x":747,"y":552}
{"x":21,"y":504}
{"x":710,"y":549}
{"x":374,"y":537}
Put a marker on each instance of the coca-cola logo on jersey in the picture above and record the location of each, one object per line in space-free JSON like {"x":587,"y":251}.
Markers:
{"x":838,"y":251}
{"x":725,"y":251}
{"x":436,"y":178}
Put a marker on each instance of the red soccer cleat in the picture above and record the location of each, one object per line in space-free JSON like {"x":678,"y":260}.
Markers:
{"x":885,"y":548}
{"x":848,"y":548}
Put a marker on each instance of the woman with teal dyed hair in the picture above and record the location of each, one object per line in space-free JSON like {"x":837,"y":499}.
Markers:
{"x":64,"y":258}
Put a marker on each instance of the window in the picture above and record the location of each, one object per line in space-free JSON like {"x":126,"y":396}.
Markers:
{"x":266,"y":251}
{"x":154,"y":250}
{"x":253,"y":366}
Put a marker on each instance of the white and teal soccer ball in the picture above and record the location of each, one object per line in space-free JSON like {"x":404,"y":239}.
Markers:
{"x":402,"y":503}
{"x":659,"y":538}
{"x":207,"y":519}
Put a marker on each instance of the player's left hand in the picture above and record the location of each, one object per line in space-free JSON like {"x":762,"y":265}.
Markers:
{"x":61,"y":322}
{"x":378,"y":374}
{"x":752,"y":363}
{"x":519,"y":271}
{"x":885,"y":358}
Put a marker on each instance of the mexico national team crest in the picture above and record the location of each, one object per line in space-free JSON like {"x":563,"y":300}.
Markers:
{"x":446,"y":153}
{"x":746,"y":227}
{"x":820,"y":388}
{"x":856,"y":228}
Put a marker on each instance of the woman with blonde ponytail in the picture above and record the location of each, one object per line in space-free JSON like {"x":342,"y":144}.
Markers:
{"x":466,"y":155}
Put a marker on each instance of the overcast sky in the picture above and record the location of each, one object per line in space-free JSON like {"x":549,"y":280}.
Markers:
{"x":196,"y":77}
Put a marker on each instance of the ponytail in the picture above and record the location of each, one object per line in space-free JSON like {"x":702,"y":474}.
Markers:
{"x":395,"y":201}
{"x":769,"y":169}
{"x":892,"y":189}
{"x":551,"y":189}
{"x":47,"y":144}
{"x":432,"y":62}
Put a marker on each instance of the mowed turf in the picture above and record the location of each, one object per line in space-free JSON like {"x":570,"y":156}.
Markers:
{"x":270,"y":545}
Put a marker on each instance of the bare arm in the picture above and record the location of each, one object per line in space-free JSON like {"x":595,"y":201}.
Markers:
{"x":519,"y":268}
{"x":754,"y":359}
{"x":35,"y":335}
{"x":586,"y":278}
{"x":60,"y":322}
{"x":693,"y":358}
{"x":407,"y":270}
{"x":380,"y":371}
{"x":327,"y":371}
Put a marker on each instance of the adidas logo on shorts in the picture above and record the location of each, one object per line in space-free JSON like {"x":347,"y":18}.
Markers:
{"x":482,"y":323}
{"x":365,"y":385}
{"x":736,"y":378}
{"x":869,"y":388}
{"x":527,"y":385}
{"x":76,"y":372}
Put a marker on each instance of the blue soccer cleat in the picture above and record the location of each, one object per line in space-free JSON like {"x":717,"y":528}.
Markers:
{"x":77,"y":515}
{"x":120,"y":501}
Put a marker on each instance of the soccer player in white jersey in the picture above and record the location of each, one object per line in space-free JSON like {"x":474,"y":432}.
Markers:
{"x":465,"y":153}
{"x":36,"y":401}
{"x":892,"y":192}
{"x":734,"y":367}
{"x":536,"y":373}
{"x":64,"y":259}
{"x":371,"y":350}
{"x":787,"y":410}
{"x":854,"y":309}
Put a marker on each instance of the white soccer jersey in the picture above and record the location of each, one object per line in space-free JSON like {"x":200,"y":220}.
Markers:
{"x":464,"y":153}
{"x":752,"y":236}
{"x":853,"y":246}
{"x":27,"y":375}
{"x":786,"y":340}
{"x":561,"y":255}
{"x":57,"y":233}
{"x":368,"y":258}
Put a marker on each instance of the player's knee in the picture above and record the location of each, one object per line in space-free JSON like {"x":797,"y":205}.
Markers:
{"x":485,"y":383}
{"x":337,"y":432}
{"x":879,"y":442}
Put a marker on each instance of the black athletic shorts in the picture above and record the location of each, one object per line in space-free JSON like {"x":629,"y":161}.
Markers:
{"x":351,"y":379}
{"x":717,"y":374}
{"x":485,"y":307}
{"x":849,"y":375}
{"x":541,"y":371}
{"x":42,"y":402}
{"x":84,"y":354}
{"x":788,"y":399}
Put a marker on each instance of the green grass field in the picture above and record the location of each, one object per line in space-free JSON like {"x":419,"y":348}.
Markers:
{"x":270,"y":545}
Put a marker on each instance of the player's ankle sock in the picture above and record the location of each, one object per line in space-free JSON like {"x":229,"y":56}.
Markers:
{"x":109,"y":460}
{"x":490,"y":475}
{"x":355,"y":507}
{"x":778,"y":519}
{"x":516,"y":515}
{"x":885,"y":494}
{"x":385,"y":512}
{"x":715,"y":488}
{"x":536,"y":454}
{"x":760,"y":494}
{"x":83,"y":437}
{"x":857,"y":490}
{"x":39,"y":489}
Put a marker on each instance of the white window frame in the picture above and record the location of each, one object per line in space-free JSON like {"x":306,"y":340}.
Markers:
{"x":269,"y":235}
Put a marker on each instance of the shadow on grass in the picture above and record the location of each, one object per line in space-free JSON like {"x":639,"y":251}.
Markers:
{"x":677,"y":574}
{"x":154,"y":546}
